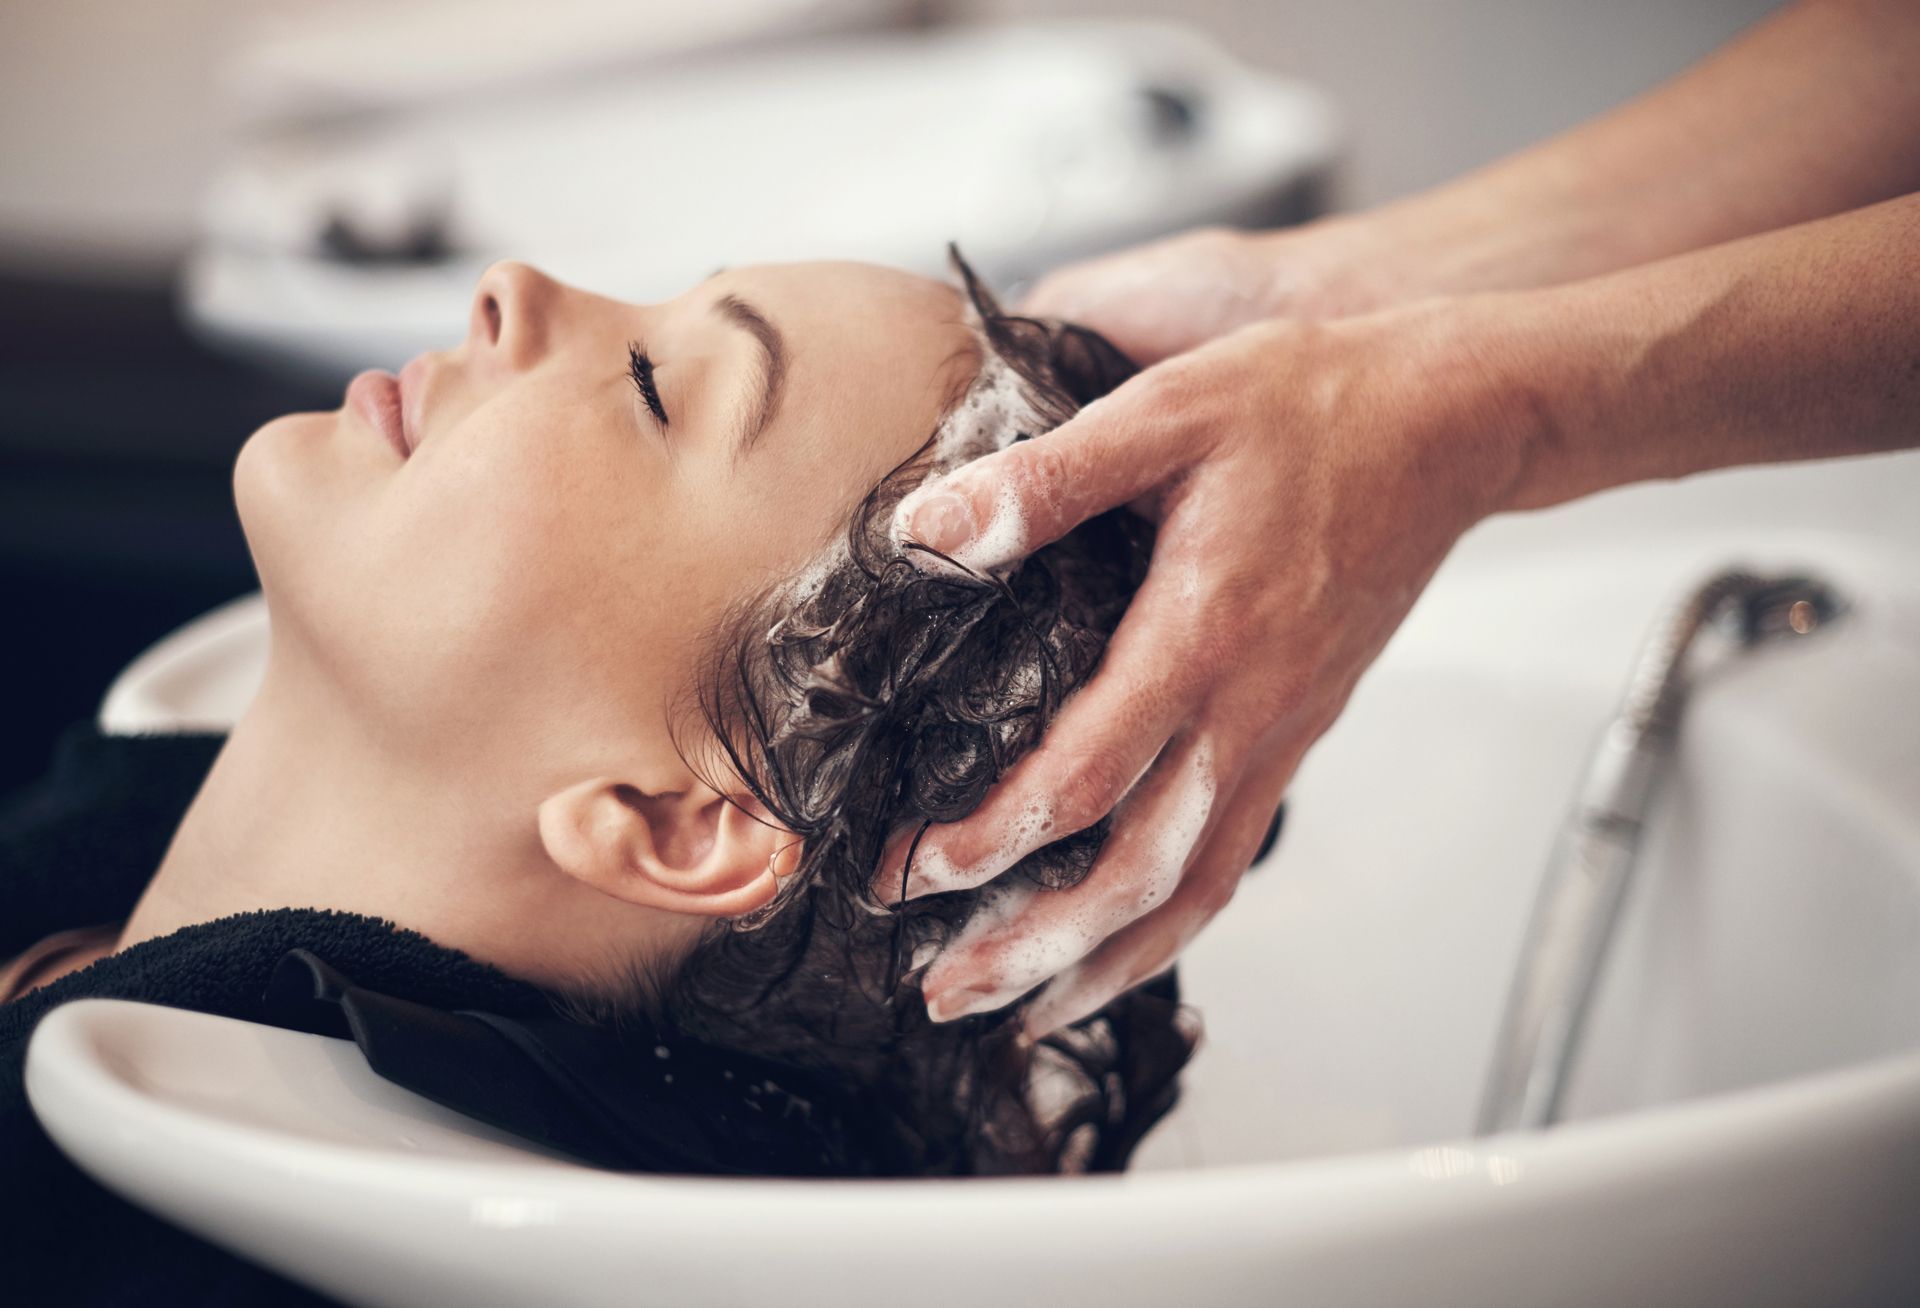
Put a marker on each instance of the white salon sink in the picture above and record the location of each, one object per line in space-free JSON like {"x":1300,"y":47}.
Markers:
{"x":1744,"y":1117}
{"x":1773,"y":927}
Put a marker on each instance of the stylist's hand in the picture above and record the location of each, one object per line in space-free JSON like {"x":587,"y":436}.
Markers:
{"x":1164,"y":298}
{"x":1306,"y":480}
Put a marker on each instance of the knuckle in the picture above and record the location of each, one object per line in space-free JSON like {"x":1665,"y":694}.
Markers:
{"x":1176,"y":386}
{"x":1297,"y":676}
{"x":1092,"y":785}
{"x":1157,"y":891}
{"x":1049,"y":470}
{"x":1132,"y":889}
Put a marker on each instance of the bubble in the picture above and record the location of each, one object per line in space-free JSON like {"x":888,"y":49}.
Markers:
{"x":1026,"y":953}
{"x":992,"y":414}
{"x":995,"y":412}
{"x":1187,"y":583}
{"x":1002,"y":539}
{"x":1189,"y":805}
{"x":934,"y":873}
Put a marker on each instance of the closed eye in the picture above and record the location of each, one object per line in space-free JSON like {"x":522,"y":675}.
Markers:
{"x":640,"y":370}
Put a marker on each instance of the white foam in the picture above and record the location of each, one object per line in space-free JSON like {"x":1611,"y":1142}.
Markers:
{"x":1029,"y":954}
{"x":1002,"y":539}
{"x":989,"y":417}
{"x":995,"y":411}
{"x":1180,"y":828}
{"x":1069,"y":997}
{"x":935,"y":873}
{"x":1023,"y":960}
{"x":801,"y":588}
{"x":1187,"y":583}
{"x":1028,"y":829}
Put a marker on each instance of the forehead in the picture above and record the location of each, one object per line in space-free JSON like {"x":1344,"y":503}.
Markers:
{"x":875,"y":356}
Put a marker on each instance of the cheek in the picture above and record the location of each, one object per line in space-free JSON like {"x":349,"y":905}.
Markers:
{"x":525,"y":566}
{"x":496,"y":530}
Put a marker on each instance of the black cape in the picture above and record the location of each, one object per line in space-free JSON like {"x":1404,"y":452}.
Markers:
{"x":79,"y":847}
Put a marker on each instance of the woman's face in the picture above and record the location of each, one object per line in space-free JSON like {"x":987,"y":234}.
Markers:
{"x":546,"y":559}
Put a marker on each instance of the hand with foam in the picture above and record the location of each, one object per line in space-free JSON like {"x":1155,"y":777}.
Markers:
{"x":1306,"y":480}
{"x":1301,"y":496}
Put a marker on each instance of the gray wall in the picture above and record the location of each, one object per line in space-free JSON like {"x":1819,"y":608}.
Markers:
{"x":1430,"y":88}
{"x":110,"y":117}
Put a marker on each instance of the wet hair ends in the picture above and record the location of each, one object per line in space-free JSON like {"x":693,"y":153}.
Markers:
{"x":873,"y":697}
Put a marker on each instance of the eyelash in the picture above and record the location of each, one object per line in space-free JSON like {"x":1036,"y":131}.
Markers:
{"x":640,"y":369}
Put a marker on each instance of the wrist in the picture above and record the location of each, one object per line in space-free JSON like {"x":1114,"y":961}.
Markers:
{"x":1414,"y":250}
{"x":1503,"y":230}
{"x":1472,"y":392}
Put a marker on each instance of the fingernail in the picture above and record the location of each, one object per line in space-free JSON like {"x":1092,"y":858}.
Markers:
{"x":951,"y":1005}
{"x":943,"y":521}
{"x":932,"y":873}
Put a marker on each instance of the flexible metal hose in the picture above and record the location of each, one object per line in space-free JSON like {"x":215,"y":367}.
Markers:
{"x":1586,"y":878}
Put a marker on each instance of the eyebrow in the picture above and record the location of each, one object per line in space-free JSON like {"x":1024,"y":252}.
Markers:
{"x":773,"y":365}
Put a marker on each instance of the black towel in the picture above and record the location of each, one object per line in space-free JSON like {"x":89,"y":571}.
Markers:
{"x":70,"y":1241}
{"x":81,"y":846}
{"x":76,"y":849}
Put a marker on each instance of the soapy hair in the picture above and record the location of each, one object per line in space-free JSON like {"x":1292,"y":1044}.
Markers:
{"x":877,"y":694}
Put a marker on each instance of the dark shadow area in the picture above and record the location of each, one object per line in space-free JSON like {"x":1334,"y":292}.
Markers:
{"x":117,"y":437}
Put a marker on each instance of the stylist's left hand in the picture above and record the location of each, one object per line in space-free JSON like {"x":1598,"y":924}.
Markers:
{"x":1305,"y":482}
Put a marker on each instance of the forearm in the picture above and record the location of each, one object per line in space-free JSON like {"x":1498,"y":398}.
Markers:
{"x":1797,"y":344}
{"x":1814,"y":112}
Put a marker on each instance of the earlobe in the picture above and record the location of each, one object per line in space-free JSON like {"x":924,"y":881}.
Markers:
{"x":683,"y":849}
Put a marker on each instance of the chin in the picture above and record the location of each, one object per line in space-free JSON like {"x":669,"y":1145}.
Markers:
{"x":274,"y":490}
{"x":268,"y":467}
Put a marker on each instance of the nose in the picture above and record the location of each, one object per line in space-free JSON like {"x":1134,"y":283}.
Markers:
{"x":513,"y":313}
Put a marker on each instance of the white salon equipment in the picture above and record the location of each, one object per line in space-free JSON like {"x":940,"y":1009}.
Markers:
{"x":356,"y":243}
{"x":1742,"y":1124}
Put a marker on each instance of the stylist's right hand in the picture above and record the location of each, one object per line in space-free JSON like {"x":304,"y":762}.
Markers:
{"x":1305,"y":481}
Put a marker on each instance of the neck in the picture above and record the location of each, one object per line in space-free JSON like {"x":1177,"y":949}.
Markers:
{"x":305,"y":809}
{"x":300,"y":810}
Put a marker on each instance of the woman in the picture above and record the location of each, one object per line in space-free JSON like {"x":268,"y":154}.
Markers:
{"x":594,"y":662}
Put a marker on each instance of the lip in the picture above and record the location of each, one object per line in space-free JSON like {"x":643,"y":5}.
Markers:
{"x":376,"y":396}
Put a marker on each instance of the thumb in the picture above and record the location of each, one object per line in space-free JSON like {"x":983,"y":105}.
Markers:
{"x":1001,"y":507}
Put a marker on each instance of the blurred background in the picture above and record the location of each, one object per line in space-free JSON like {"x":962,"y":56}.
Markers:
{"x":215,"y":211}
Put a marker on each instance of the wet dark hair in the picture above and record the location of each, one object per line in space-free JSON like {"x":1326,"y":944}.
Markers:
{"x":878,"y":697}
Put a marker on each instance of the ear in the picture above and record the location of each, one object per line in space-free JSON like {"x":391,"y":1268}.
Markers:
{"x":686,"y":850}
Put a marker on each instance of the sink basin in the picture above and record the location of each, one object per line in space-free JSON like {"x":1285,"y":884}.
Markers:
{"x":1743,"y":1118}
{"x":1773,"y":927}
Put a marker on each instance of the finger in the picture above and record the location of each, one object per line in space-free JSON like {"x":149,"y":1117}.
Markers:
{"x":1021,"y":937}
{"x":1064,"y":292}
{"x":1089,"y":292}
{"x":1151,"y":945}
{"x":1128,"y":310}
{"x":1096,"y":749}
{"x":1002,"y":506}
